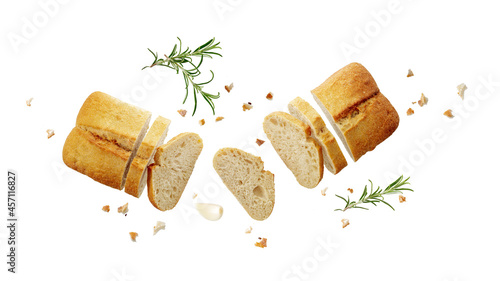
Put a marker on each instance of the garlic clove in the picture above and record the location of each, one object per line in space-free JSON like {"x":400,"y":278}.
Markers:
{"x":211,"y":212}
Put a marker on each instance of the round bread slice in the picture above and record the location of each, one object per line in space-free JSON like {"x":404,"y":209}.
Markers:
{"x":292,"y":140}
{"x":332,"y":155}
{"x":244,"y":175}
{"x":174,"y":164}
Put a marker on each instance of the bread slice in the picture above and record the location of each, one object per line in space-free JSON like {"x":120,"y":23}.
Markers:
{"x":138,"y":172}
{"x":360,"y":114}
{"x":174,"y":163}
{"x":332,"y":155}
{"x":292,"y":140}
{"x":115,"y":121}
{"x":244,"y":175}
{"x":91,"y":155}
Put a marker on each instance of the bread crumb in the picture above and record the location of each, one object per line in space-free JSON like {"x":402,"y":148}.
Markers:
{"x":262,"y":243}
{"x":402,"y":199}
{"x":413,"y":102}
{"x":123,"y":209}
{"x":410,"y":73}
{"x":247,"y":106}
{"x":350,"y":190}
{"x":28,"y":102}
{"x":133,"y":235}
{"x":159,"y":226}
{"x":461,"y":90}
{"x":50,"y":133}
{"x":106,"y":208}
{"x":195,"y":195}
{"x":202,"y":122}
{"x":182,"y":112}
{"x":270,"y":96}
{"x":345,"y":222}
{"x":423,"y":100}
{"x":248,"y":230}
{"x":323,"y":191}
{"x":229,"y":88}
{"x":259,"y":142}
{"x":448,"y":113}
{"x":219,"y":119}
{"x":410,"y":112}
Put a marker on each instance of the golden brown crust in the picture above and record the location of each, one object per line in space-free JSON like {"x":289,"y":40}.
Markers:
{"x":346,"y":88}
{"x":95,"y":157}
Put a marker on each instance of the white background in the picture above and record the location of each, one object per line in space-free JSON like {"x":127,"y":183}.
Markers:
{"x":447,"y":230}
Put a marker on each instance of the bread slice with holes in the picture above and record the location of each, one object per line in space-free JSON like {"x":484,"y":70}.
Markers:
{"x":138,"y":172}
{"x":244,"y":175}
{"x":332,"y":155}
{"x":174,"y":164}
{"x":292,"y":140}
{"x":361,"y":115}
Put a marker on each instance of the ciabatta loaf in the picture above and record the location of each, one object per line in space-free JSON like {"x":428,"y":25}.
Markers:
{"x":244,"y":175}
{"x":332,"y":155}
{"x":292,"y":140}
{"x":361,"y":115}
{"x":169,"y":175}
{"x":137,"y":174}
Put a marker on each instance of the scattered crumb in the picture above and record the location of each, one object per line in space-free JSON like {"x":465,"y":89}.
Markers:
{"x":123,"y":209}
{"x":413,"y":102}
{"x":248,"y":230}
{"x":28,"y":102}
{"x":269,"y":96}
{"x":410,"y":73}
{"x":195,"y":195}
{"x":247,"y":106}
{"x":461,"y":90}
{"x":345,"y":222}
{"x":50,"y":133}
{"x":259,"y":142}
{"x":229,"y":88}
{"x":106,"y":208}
{"x":350,"y":190}
{"x":410,"y":112}
{"x":133,"y":235}
{"x":159,"y":226}
{"x":423,"y":100}
{"x":323,"y":191}
{"x":448,"y":113}
{"x":402,"y":199}
{"x":182,"y":112}
{"x":202,"y":122}
{"x":262,"y":243}
{"x":219,"y":119}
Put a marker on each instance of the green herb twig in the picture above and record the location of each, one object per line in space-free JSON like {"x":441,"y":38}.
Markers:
{"x":182,"y":61}
{"x":376,"y":196}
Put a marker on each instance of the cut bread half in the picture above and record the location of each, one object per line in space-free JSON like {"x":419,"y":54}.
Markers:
{"x":332,"y":155}
{"x":95,"y":157}
{"x":137,"y":174}
{"x":292,"y":140}
{"x":244,"y":175}
{"x":115,"y":121}
{"x":174,"y":163}
{"x":361,"y":115}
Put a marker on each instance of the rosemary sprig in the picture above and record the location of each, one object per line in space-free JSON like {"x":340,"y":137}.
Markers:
{"x":376,"y":196}
{"x":182,"y":61}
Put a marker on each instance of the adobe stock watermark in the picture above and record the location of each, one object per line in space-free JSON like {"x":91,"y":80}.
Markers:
{"x":223,"y":7}
{"x":121,"y":276}
{"x":31,"y":26}
{"x":324,"y":250}
{"x":364,"y":35}
{"x":426,"y":147}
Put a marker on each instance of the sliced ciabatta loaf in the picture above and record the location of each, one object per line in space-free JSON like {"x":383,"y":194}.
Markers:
{"x":137,"y":174}
{"x":244,"y":175}
{"x":360,"y":114}
{"x":332,"y":155}
{"x":169,"y":175}
{"x":292,"y":140}
{"x":115,"y":121}
{"x":91,"y":155}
